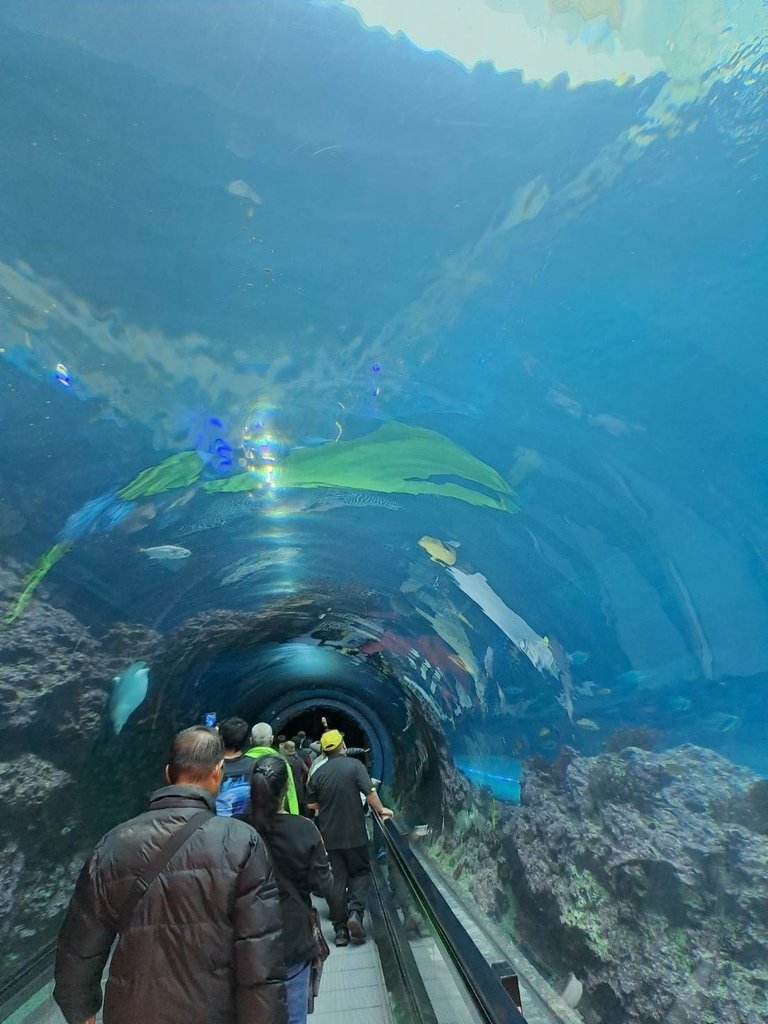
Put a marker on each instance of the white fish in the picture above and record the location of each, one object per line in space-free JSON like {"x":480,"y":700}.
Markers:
{"x":243,"y":189}
{"x":562,"y":401}
{"x":488,"y":663}
{"x":166,"y":552}
{"x":527,"y":640}
{"x":130,"y":689}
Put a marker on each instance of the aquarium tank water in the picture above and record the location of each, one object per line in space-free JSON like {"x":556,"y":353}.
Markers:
{"x":402,"y":363}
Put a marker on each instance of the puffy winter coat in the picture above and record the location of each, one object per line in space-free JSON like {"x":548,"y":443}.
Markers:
{"x":203,"y":946}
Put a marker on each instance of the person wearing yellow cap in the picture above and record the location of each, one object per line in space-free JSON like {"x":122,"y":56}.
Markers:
{"x":334,"y":792}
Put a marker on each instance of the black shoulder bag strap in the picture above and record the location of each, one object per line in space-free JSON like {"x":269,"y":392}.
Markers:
{"x":291,"y":890}
{"x":159,"y":863}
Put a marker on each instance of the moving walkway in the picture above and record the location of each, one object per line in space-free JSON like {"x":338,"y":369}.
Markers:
{"x":426,"y":961}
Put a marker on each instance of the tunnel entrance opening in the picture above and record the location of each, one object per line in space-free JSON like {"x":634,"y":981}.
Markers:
{"x":310,"y":722}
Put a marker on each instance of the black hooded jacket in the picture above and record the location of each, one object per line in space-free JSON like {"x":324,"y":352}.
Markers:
{"x":203,"y":946}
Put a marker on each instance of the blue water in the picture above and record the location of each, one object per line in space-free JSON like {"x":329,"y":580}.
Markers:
{"x":283,"y":240}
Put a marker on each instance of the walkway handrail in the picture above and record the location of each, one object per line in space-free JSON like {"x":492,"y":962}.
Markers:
{"x":482,"y":983}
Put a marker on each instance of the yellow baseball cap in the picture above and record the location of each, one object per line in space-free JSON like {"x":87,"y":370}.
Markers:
{"x":331,"y":739}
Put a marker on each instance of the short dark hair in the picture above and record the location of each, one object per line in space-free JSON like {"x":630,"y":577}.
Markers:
{"x":194,"y":753}
{"x":234,"y":732}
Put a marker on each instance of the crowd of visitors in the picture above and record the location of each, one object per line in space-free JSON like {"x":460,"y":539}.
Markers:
{"x":205,"y":900}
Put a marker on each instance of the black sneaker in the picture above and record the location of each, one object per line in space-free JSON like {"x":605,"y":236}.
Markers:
{"x":355,"y":927}
{"x":342,"y":936}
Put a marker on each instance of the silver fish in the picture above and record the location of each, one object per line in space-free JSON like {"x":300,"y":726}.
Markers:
{"x":166,"y":552}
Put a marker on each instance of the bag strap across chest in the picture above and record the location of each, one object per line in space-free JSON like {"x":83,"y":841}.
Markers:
{"x":159,"y":863}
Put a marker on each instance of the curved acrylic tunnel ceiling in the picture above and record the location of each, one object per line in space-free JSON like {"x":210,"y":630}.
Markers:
{"x":403,"y":364}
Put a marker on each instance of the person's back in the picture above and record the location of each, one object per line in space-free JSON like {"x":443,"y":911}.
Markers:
{"x":235,"y":789}
{"x":202,"y":946}
{"x":334,"y":791}
{"x":336,"y":785}
{"x":301,"y":868}
{"x":299,"y":770}
{"x":261,"y":746}
{"x":296,"y":848}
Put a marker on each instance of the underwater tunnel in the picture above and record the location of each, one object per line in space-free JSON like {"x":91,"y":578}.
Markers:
{"x":403,"y":366}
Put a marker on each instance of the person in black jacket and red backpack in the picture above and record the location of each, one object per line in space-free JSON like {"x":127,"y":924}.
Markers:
{"x":301,"y":868}
{"x":202,"y":943}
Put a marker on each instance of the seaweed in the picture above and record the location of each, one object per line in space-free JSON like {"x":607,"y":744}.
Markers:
{"x":43,"y":566}
{"x":178,"y":470}
{"x":396,"y":458}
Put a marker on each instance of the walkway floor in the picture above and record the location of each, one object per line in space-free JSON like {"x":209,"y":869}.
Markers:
{"x":352,"y":984}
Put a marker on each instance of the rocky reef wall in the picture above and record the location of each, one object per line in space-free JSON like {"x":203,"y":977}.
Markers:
{"x":646,"y":874}
{"x":64,"y":776}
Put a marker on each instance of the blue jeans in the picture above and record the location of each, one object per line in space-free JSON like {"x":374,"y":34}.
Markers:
{"x":297,"y":993}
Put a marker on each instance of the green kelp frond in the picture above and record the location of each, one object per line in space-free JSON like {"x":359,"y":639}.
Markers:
{"x":398,"y":459}
{"x":41,"y":569}
{"x":241,"y":482}
{"x":178,"y":470}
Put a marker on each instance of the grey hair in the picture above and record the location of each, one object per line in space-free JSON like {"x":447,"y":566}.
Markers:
{"x":194,"y":753}
{"x":262,"y":735}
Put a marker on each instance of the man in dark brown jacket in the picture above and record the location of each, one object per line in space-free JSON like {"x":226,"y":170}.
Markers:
{"x":203,"y":945}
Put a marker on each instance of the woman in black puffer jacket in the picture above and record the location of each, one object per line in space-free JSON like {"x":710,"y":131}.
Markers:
{"x":298,"y":855}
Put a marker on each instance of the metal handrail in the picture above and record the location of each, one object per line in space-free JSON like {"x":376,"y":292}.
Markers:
{"x":481,"y":981}
{"x":17,"y":986}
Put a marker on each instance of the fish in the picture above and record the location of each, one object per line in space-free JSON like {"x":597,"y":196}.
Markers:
{"x":612,"y":424}
{"x":586,"y":689}
{"x":488,"y":663}
{"x":544,"y":731}
{"x":604,"y":691}
{"x":128,"y":693}
{"x":635,"y":676}
{"x":166,"y":552}
{"x":244,"y":191}
{"x":680,"y":703}
{"x":722,"y":722}
{"x":138,"y":518}
{"x":438,"y":551}
{"x":562,"y":661}
{"x":587,"y":723}
{"x":562,"y":401}
{"x":578,"y":657}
